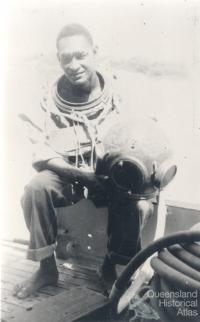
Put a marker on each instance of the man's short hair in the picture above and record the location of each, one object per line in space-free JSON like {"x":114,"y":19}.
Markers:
{"x":73,"y":29}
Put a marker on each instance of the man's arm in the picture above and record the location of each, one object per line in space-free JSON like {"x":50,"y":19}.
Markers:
{"x":74,"y":174}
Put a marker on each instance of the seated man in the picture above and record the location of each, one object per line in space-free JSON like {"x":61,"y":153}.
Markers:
{"x":81,"y":104}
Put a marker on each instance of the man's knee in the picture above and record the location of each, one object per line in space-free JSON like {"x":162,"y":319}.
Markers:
{"x":37,"y":186}
{"x":39,"y":183}
{"x":47,"y":185}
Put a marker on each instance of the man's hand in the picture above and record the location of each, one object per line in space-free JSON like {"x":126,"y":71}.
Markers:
{"x":97,"y":189}
{"x":85,"y":177}
{"x":95,"y":183}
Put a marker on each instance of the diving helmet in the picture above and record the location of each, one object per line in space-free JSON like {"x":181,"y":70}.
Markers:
{"x":137,"y":157}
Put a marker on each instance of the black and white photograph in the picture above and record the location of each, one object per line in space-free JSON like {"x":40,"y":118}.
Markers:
{"x":100,"y":141}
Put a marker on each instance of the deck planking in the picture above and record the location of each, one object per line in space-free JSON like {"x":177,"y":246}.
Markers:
{"x":16,"y":268}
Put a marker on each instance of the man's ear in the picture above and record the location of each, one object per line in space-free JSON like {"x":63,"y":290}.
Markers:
{"x":95,"y":49}
{"x":58,"y":56}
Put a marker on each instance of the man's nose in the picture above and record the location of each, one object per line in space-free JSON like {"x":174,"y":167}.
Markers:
{"x":74,"y":64}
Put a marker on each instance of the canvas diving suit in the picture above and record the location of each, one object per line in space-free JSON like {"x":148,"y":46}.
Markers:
{"x":72,"y":131}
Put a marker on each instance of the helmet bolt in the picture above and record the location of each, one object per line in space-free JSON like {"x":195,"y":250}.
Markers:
{"x":121,"y":163}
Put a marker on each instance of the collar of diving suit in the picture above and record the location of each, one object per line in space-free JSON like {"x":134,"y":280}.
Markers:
{"x":90,"y":107}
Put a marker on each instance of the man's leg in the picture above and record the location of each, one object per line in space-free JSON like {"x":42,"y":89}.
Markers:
{"x":125,"y":223}
{"x":45,"y":192}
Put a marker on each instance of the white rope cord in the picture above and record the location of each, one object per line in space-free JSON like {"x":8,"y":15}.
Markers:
{"x":78,"y":147}
{"x":81,"y":118}
{"x":84,"y":115}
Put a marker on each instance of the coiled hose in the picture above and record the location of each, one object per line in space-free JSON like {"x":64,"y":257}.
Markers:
{"x":171,"y":268}
{"x":187,"y":276}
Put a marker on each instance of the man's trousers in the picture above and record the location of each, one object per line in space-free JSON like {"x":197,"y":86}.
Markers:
{"x":48,"y":191}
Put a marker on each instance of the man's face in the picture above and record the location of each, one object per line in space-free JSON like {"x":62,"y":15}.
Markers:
{"x":76,"y":57}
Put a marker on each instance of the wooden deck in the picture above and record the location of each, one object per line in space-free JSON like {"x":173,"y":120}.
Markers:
{"x":15,"y":268}
{"x":74,"y":274}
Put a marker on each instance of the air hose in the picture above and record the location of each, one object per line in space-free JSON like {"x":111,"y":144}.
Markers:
{"x":185,"y":256}
{"x":172,"y":261}
{"x":191,"y":280}
{"x":178,"y":266}
{"x":193,"y":249}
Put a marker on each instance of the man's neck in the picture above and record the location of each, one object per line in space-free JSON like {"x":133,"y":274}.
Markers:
{"x":87,"y":88}
{"x":84,"y":92}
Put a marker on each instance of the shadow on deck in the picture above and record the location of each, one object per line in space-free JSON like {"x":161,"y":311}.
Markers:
{"x":15,"y":269}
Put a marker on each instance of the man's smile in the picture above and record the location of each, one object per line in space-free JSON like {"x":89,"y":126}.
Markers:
{"x":77,"y":75}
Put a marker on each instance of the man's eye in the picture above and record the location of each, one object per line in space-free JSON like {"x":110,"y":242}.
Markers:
{"x":81,"y":55}
{"x":66,"y":59}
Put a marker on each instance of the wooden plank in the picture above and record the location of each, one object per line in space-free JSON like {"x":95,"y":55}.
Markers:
{"x":84,"y":260}
{"x":7,"y":293}
{"x":49,"y":290}
{"x":78,"y":268}
{"x":80,"y":282}
{"x":5,"y":307}
{"x":76,"y":272}
{"x":64,"y":281}
{"x":12,"y":280}
{"x":16,"y":272}
{"x":64,"y":307}
{"x":16,"y":268}
{"x":73,"y":270}
{"x":17,"y":249}
{"x":9,"y":316}
{"x":17,"y":275}
{"x":67,"y":280}
{"x":69,"y":264}
{"x":7,"y":297}
{"x":18,"y":253}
